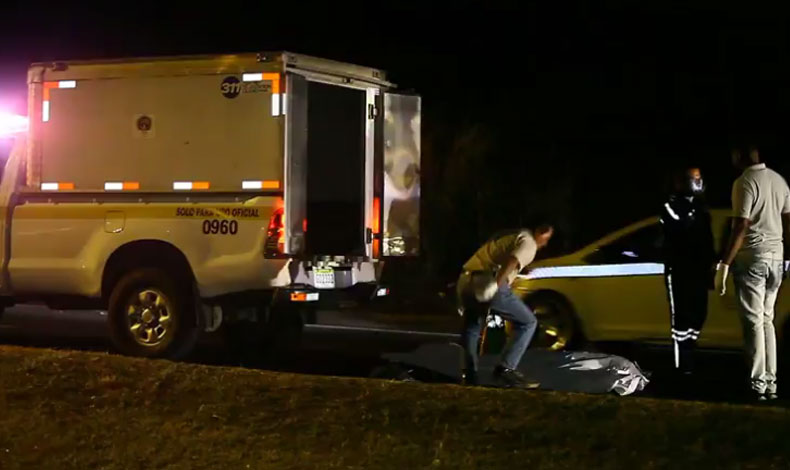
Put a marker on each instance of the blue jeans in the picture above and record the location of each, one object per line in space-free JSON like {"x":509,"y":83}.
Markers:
{"x":510,"y":308}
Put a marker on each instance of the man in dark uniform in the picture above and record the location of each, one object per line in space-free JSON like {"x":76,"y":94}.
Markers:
{"x":688,"y":258}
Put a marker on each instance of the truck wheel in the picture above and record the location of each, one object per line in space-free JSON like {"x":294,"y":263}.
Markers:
{"x":151,"y":314}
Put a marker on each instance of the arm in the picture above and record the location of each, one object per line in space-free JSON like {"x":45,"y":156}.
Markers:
{"x":743,"y":196}
{"x":786,"y":234}
{"x":710,"y":244}
{"x":739,"y":227}
{"x":505,"y":271}
{"x":670,"y":223}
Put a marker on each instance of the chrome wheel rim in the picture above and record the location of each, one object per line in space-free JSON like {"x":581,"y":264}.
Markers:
{"x":555,"y":330}
{"x":149,"y":315}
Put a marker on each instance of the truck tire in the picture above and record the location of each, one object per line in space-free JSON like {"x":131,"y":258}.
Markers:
{"x":151,"y":314}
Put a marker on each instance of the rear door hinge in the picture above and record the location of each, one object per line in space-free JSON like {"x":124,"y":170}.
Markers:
{"x":373,"y":111}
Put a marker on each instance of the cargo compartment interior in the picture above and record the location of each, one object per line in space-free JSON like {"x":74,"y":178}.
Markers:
{"x":335,"y":170}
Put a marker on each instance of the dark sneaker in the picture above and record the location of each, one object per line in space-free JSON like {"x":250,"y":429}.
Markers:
{"x":509,"y":377}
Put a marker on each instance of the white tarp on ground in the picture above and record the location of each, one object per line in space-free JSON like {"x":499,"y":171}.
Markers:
{"x":549,"y":370}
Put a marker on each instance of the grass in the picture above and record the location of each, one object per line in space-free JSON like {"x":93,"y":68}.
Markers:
{"x":61,"y":409}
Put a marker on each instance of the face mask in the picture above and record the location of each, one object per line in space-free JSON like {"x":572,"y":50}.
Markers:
{"x":697,"y":186}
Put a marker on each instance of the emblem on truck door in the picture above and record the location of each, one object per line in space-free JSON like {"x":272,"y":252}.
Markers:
{"x":231,"y":87}
{"x":144,"y":123}
{"x":144,"y":126}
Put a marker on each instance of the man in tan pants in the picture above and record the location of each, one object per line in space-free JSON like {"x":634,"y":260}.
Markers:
{"x":757,"y":251}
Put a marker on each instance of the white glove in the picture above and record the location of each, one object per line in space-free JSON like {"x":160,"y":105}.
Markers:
{"x":720,"y":281}
{"x":485,"y":293}
{"x":484,"y":286}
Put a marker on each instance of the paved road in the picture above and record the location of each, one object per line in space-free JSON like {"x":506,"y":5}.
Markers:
{"x":348,"y":343}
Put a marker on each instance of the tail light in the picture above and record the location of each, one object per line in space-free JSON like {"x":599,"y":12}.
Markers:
{"x":376,"y":227}
{"x":275,"y":236}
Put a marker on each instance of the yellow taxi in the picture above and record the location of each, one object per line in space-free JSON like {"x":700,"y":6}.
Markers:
{"x":613,"y":290}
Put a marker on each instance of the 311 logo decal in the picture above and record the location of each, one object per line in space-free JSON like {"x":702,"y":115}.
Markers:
{"x":231,"y":87}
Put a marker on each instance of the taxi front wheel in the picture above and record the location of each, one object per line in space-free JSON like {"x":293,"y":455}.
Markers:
{"x":557,"y":326}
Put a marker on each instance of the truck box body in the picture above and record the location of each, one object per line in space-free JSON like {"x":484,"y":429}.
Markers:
{"x":278,"y":124}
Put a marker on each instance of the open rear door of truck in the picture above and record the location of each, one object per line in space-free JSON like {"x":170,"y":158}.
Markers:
{"x":401,"y":168}
{"x":330,"y":150}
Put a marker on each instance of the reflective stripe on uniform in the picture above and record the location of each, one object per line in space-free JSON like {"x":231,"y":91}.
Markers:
{"x":672,"y":319}
{"x":671,"y":212}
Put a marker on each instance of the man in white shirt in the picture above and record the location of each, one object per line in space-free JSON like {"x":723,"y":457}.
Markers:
{"x":757,"y":251}
{"x":485,"y":284}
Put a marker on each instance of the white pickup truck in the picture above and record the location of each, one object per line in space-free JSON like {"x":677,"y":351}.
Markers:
{"x":180,"y":193}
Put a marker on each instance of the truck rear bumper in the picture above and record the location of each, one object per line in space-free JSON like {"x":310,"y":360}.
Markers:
{"x":302,"y":294}
{"x":358,"y":294}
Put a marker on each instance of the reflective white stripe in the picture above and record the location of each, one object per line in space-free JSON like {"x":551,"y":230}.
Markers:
{"x":671,"y":212}
{"x":182,"y":185}
{"x":285,"y":101}
{"x":672,"y":319}
{"x":67,"y":84}
{"x":45,"y":111}
{"x":49,"y":186}
{"x":275,"y":104}
{"x":686,"y":335}
{"x":686,"y":338}
{"x":113,"y":186}
{"x":604,"y":270}
{"x":686,"y":332}
{"x":252,"y":185}
{"x":252,"y":77}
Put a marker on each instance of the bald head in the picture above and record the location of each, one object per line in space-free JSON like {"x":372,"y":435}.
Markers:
{"x":744,"y":158}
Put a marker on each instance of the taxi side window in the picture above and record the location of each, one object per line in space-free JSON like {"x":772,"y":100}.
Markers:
{"x":642,"y":246}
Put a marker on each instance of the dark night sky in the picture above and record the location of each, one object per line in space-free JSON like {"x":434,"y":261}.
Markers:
{"x":586,"y":105}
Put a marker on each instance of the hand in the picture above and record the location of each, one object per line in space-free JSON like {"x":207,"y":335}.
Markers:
{"x":720,"y":281}
{"x":487,"y":292}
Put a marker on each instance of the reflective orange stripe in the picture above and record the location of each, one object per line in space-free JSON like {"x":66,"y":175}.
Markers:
{"x":275,"y":79}
{"x":48,"y":86}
